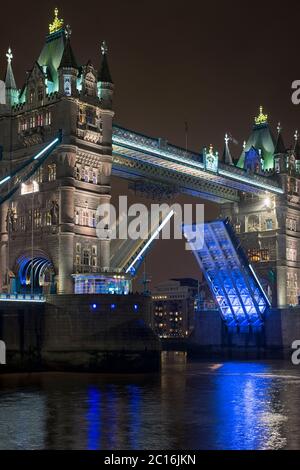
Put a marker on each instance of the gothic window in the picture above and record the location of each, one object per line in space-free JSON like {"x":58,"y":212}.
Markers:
{"x":76,"y":218}
{"x":90,"y":116}
{"x":85,"y":218}
{"x":93,"y":220}
{"x":264,"y":254}
{"x":81,"y":115}
{"x":95,"y":177}
{"x":40,"y":120}
{"x":291,"y":224}
{"x":253,"y":255}
{"x":67,"y":85}
{"x":269,"y":224}
{"x":77,"y":172}
{"x":48,"y":219}
{"x":39,"y":175}
{"x":78,"y":247}
{"x":86,"y":175}
{"x":32,"y":122}
{"x":237,"y":228}
{"x":78,"y":260}
{"x":90,"y":84}
{"x":291,"y":254}
{"x":22,"y":223}
{"x":86,"y":257}
{"x":31,"y":96}
{"x":48,"y":118}
{"x":94,"y":261}
{"x":94,"y":250}
{"x":37,"y":218}
{"x":52,"y":172}
{"x":253,"y":223}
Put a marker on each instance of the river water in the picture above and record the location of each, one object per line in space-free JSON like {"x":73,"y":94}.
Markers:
{"x":189,"y":405}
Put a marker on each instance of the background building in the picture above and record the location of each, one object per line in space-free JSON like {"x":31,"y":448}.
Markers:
{"x":174,"y":307}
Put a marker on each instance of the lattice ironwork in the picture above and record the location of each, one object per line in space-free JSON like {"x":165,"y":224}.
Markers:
{"x":239,"y":295}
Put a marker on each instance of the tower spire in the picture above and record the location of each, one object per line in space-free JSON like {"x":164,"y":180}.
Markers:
{"x":104,"y":72}
{"x":10,"y":83}
{"x":227,"y":158}
{"x":279,"y":147}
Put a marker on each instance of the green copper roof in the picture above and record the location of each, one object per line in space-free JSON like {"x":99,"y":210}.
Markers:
{"x":261,"y":138}
{"x":51,"y":55}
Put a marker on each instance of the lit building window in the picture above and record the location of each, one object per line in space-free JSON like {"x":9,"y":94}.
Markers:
{"x":95,"y":179}
{"x":86,"y":175}
{"x":40,"y":120}
{"x":48,"y":219}
{"x":48,"y":118}
{"x":37,"y":218}
{"x":85,"y":218}
{"x":39,"y":175}
{"x":255,"y":255}
{"x":269,"y":224}
{"x":52,"y":172}
{"x":291,"y":254}
{"x":93,"y":220}
{"x":86,"y":258}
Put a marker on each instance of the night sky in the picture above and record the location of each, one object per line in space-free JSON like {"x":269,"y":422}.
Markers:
{"x":209,"y":63}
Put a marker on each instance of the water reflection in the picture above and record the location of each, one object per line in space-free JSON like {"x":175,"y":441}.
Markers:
{"x":190,"y":405}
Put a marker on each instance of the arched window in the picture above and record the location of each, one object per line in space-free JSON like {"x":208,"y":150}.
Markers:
{"x":86,"y":258}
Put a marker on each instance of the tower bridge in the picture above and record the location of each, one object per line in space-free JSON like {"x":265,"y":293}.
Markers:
{"x":48,"y":210}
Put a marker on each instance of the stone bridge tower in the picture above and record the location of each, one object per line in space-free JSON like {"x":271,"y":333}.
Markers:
{"x":48,"y":229}
{"x":269,"y":226}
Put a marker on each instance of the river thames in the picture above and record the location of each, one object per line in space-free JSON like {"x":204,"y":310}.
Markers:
{"x":190,"y":405}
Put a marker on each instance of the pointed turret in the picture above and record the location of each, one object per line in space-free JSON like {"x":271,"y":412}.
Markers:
{"x":279,"y":146}
{"x":68,"y":59}
{"x":279,"y":152}
{"x":296,"y":151}
{"x":104,"y":72}
{"x":68,"y":68}
{"x":10,"y":83}
{"x":227,"y":158}
{"x":105,"y":83}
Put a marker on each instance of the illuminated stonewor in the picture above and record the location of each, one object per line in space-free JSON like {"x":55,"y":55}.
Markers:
{"x":238,"y":293}
{"x":48,"y":225}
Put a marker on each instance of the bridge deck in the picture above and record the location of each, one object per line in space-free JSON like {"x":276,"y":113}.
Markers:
{"x":138,"y":156}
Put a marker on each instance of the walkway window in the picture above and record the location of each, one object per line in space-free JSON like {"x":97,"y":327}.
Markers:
{"x":52,"y":172}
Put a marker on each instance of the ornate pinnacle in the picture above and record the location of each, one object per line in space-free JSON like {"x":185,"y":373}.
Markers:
{"x":279,"y":128}
{"x":227,"y":139}
{"x":68,"y":31}
{"x":104,"y":48}
{"x":57,"y":23}
{"x":261,"y":118}
{"x":9,"y":55}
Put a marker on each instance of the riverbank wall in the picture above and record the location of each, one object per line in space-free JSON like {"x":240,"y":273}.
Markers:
{"x":80,"y":333}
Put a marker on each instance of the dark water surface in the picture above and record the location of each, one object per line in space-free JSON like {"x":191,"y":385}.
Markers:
{"x":190,"y":405}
